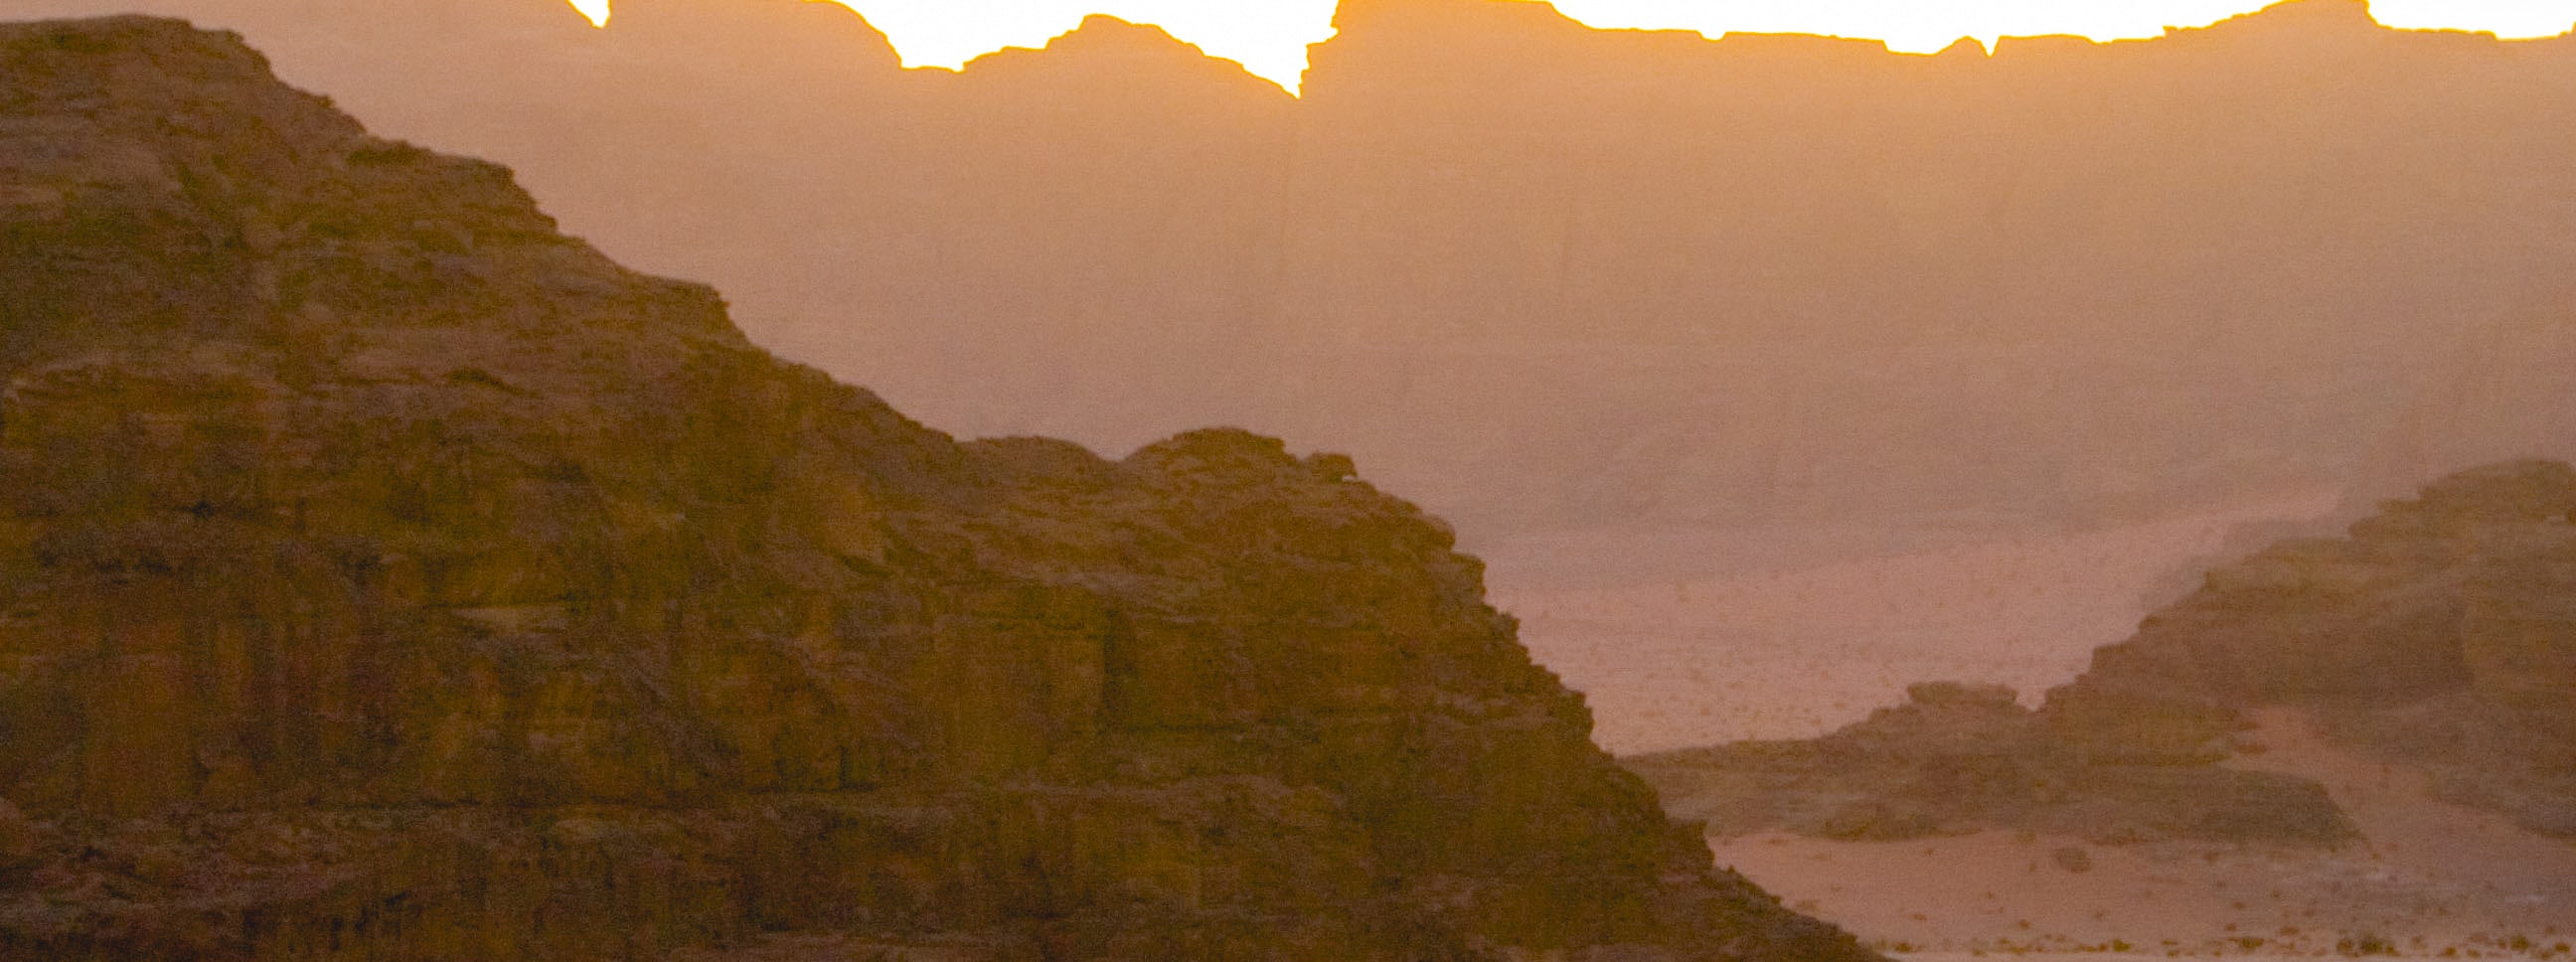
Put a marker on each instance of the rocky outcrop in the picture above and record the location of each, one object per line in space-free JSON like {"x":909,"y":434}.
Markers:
{"x":389,"y":576}
{"x":2439,"y":634}
{"x":1957,"y":760}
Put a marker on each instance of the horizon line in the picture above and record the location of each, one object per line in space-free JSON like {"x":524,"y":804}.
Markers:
{"x":601,"y":13}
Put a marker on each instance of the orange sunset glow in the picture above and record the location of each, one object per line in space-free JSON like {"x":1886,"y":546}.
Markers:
{"x":1287,"y":480}
{"x":1270,"y":36}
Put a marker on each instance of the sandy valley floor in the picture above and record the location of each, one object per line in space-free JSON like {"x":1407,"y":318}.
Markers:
{"x":1799,"y":647}
{"x":1788,"y":640}
{"x":2434,"y":881}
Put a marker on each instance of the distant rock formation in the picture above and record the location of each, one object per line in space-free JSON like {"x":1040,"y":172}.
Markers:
{"x":1957,"y":760}
{"x":1541,"y":275}
{"x":390,"y":576}
{"x":2441,"y":634}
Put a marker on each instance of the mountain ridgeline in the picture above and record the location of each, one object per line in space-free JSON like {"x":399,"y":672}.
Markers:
{"x":1541,"y":274}
{"x":388,"y":576}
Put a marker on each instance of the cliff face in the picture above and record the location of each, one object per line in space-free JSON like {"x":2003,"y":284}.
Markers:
{"x":2439,"y":634}
{"x":1629,"y":275}
{"x":389,"y":576}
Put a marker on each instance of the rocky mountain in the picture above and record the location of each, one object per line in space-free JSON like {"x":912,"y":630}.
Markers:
{"x":391,"y":576}
{"x":1631,"y":276}
{"x":2438,"y":635}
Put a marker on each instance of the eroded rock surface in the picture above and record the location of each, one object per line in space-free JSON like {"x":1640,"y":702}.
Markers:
{"x":1957,"y":760}
{"x":389,"y":576}
{"x":2440,"y":634}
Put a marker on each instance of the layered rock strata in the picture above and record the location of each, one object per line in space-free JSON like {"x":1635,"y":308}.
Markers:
{"x":387,"y":575}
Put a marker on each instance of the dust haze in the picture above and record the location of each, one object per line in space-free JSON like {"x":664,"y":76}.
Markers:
{"x":1768,"y":375}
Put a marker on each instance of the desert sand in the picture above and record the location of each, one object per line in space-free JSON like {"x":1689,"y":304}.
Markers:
{"x":1792,"y":636}
{"x":2434,"y":880}
{"x":1792,"y":639}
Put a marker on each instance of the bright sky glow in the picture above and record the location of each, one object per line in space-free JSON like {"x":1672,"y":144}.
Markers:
{"x":1270,"y":36}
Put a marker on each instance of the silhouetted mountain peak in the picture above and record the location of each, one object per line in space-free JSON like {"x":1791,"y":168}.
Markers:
{"x":1103,"y":45}
{"x":2350,"y":13}
{"x":2310,"y":17}
{"x":1418,"y":14}
{"x":1103,"y":31}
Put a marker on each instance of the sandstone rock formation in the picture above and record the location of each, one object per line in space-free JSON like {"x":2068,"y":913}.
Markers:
{"x":2441,"y":634}
{"x":1628,"y":275}
{"x":1957,"y":760}
{"x":390,"y":576}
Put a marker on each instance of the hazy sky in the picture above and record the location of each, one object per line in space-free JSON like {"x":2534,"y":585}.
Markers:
{"x":1270,"y":36}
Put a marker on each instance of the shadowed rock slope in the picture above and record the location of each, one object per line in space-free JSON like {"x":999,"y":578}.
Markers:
{"x":2440,"y":634}
{"x":389,"y":576}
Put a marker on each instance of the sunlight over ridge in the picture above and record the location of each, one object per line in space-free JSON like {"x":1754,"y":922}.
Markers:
{"x":1913,"y":26}
{"x":1269,"y":37}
